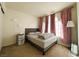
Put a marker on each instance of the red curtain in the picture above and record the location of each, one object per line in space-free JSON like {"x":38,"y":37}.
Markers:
{"x":52,"y":23}
{"x":40,"y":23}
{"x":65,"y":16}
{"x":46,"y":23}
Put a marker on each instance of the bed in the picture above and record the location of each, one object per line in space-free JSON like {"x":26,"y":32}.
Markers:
{"x":41,"y":43}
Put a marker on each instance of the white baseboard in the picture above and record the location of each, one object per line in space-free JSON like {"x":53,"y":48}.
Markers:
{"x":0,"y":49}
{"x":65,"y":45}
{"x":59,"y":42}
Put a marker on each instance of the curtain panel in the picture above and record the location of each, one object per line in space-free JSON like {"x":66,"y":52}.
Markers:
{"x":52,"y":23}
{"x":66,"y":16}
{"x":40,"y":23}
{"x":46,"y":24}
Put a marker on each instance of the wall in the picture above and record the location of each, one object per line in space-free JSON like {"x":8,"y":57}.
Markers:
{"x":74,"y":40}
{"x":74,"y":29}
{"x":78,"y":20}
{"x":16,"y":22}
{"x":1,"y":15}
{"x":78,"y":23}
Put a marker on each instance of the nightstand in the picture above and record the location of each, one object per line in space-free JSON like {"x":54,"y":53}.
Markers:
{"x":20,"y":39}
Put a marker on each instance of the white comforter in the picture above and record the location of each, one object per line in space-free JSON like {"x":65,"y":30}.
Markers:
{"x":41,"y":42}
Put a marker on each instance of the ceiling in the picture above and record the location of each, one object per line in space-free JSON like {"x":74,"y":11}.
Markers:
{"x":38,"y":8}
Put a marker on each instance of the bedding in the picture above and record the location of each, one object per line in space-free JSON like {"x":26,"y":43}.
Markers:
{"x":46,"y":35}
{"x":44,"y":42}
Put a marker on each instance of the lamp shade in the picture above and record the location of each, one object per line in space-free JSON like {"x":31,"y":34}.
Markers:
{"x":70,"y":24}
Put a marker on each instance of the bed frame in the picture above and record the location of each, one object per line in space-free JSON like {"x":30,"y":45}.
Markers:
{"x":27,"y":30}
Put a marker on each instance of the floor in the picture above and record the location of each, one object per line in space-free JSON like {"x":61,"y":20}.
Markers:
{"x":28,"y":50}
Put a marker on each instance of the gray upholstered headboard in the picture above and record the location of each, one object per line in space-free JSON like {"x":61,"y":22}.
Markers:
{"x":27,"y":30}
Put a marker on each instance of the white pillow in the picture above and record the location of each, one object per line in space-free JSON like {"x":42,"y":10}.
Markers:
{"x":47,"y":35}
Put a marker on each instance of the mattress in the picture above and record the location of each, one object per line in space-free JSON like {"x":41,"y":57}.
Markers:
{"x":40,"y":42}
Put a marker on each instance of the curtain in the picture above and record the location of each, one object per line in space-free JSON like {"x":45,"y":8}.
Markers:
{"x":52,"y":23}
{"x":65,"y":16}
{"x":40,"y":23}
{"x":46,"y":24}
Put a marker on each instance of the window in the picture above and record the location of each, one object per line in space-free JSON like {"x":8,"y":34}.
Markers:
{"x":49,"y":21}
{"x":43,"y":26}
{"x":58,"y":26}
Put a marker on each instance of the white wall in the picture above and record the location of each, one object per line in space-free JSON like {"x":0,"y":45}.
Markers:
{"x":78,"y":23}
{"x":74,"y":29}
{"x":1,"y":15}
{"x":78,"y":20}
{"x":11,"y":26}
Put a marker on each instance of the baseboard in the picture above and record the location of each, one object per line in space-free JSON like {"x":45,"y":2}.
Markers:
{"x":61,"y":43}
{"x":0,"y":50}
{"x":9,"y":44}
{"x":65,"y":44}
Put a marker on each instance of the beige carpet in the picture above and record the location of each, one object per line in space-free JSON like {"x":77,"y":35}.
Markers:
{"x":28,"y":50}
